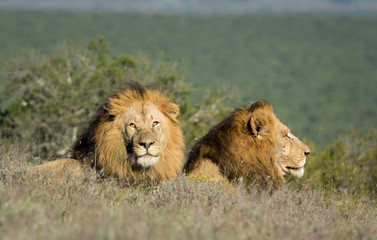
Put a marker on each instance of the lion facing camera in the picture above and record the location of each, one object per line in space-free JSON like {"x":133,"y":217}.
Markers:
{"x":135,"y":136}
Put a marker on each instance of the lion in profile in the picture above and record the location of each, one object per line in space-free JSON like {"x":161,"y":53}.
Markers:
{"x":135,"y":136}
{"x":251,"y":145}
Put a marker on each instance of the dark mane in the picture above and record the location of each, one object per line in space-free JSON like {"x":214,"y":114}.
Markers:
{"x":242,"y":146}
{"x":84,"y":146}
{"x":259,"y":104}
{"x":217,"y":138}
{"x":134,"y":86}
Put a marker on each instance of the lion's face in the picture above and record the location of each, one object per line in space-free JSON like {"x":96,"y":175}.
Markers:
{"x":135,"y":136}
{"x":144,"y":134}
{"x":291,"y":153}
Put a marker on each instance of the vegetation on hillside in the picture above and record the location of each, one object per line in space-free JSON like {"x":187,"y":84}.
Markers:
{"x":319,"y":72}
{"x":347,"y":166}
{"x":49,"y":101}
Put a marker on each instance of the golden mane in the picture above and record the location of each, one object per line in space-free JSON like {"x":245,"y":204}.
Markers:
{"x":242,"y":146}
{"x":105,"y":146}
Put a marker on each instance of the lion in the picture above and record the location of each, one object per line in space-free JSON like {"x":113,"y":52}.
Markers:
{"x":250,"y":145}
{"x":291,"y":153}
{"x":61,"y":170}
{"x":135,"y":136}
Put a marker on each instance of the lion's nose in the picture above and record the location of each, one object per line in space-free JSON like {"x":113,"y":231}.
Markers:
{"x":307,"y":153}
{"x":146,"y":144}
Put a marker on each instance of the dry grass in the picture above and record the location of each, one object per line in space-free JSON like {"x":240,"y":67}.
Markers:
{"x":35,"y":208}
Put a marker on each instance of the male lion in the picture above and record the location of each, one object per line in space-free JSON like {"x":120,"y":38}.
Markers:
{"x":135,"y":136}
{"x":251,"y":144}
{"x":290,"y":152}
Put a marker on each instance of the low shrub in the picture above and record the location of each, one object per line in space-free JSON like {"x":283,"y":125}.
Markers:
{"x":348,"y":165}
{"x":49,"y":100}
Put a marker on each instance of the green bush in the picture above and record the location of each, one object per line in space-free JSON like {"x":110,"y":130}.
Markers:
{"x":348,"y":165}
{"x":50,"y":100}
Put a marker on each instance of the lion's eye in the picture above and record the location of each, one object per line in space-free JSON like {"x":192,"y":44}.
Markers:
{"x":288,"y":136}
{"x":132,"y":125}
{"x":155,"y":123}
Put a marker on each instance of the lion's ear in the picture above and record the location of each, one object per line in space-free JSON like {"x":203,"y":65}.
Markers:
{"x":173,"y":110}
{"x":255,"y":126}
{"x":261,"y":119}
{"x":260,"y":125}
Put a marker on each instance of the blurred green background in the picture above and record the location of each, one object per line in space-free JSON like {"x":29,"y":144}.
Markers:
{"x":318,"y":70}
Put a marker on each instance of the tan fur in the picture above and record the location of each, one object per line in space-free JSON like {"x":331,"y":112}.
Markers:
{"x":243,"y":147}
{"x":61,"y":170}
{"x":135,"y":136}
{"x":291,"y":153}
{"x":115,"y":143}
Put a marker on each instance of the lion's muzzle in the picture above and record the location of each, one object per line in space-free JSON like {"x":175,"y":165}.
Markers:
{"x":146,"y":144}
{"x":147,"y":153}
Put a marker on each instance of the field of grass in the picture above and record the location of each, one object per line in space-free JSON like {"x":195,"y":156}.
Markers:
{"x":319,"y":72}
{"x":32,"y":207}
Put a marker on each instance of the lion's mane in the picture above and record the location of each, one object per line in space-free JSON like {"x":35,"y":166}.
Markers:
{"x":242,"y":146}
{"x":102,"y":145}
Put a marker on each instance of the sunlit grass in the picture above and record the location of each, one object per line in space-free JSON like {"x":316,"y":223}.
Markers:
{"x":33,"y":207}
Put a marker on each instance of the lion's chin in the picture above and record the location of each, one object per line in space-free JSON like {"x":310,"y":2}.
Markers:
{"x":147,"y":161}
{"x":297,"y":172}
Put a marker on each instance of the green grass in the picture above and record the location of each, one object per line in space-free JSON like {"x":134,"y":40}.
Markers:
{"x":32,"y":207}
